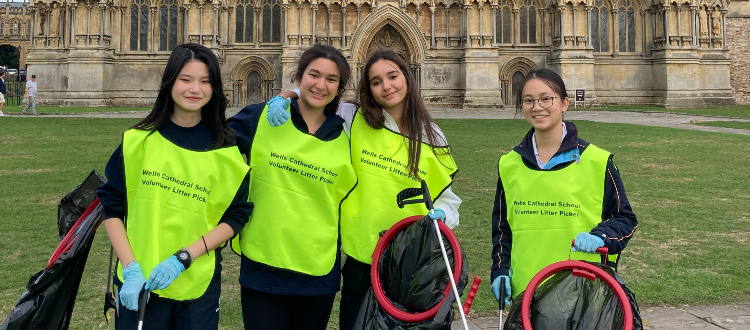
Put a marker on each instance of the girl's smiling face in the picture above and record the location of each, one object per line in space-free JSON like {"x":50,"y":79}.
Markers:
{"x":319,"y":84}
{"x":542,"y":106}
{"x":192,"y":89}
{"x":387,"y":84}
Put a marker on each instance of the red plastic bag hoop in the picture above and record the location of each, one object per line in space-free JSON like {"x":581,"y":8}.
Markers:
{"x":67,"y":242}
{"x":550,"y":270}
{"x":377,"y":288}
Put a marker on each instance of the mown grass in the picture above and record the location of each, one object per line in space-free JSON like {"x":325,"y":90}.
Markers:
{"x":727,"y":124}
{"x":688,"y":189}
{"x":739,"y":111}
{"x":15,"y":108}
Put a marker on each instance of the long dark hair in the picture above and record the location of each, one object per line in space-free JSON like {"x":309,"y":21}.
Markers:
{"x":415,"y":116}
{"x":549,"y":77}
{"x":324,"y":51}
{"x":213,"y":113}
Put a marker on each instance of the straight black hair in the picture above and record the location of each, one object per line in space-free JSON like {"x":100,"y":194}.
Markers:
{"x":213,"y":113}
{"x":324,"y":51}
{"x":415,"y":117}
{"x":549,"y":77}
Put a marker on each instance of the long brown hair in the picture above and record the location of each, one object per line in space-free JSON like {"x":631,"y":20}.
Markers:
{"x":415,"y":117}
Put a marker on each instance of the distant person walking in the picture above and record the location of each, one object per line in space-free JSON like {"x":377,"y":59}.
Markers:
{"x":31,"y":95}
{"x":2,"y":92}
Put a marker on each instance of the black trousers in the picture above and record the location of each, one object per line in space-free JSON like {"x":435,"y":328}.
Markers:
{"x":268,"y":311}
{"x":356,"y":282}
{"x":164,"y":314}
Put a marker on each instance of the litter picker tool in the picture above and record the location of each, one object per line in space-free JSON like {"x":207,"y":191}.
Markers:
{"x":402,"y":199}
{"x":502,"y":303}
{"x":142,"y":301}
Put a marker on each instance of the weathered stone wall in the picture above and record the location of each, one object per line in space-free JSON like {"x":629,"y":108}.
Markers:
{"x":738,"y":26}
{"x":623,"y":80}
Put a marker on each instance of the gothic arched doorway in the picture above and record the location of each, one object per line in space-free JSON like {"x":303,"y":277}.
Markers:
{"x":389,"y":38}
{"x":254,"y":94}
{"x":511,"y":76}
{"x":515,"y":83}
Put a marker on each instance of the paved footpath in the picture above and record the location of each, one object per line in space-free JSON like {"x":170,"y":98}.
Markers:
{"x":736,"y":317}
{"x":662,"y":119}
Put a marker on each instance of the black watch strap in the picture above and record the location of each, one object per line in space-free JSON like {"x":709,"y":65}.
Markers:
{"x":184,"y":257}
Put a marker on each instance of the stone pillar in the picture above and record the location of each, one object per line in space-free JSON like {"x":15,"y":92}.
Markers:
{"x":481,"y":35}
{"x":562,"y":25}
{"x":615,"y":34}
{"x":517,"y":30}
{"x":200,"y":23}
{"x":329,"y":10}
{"x":186,"y":23}
{"x":122,"y":27}
{"x":694,"y":25}
{"x":461,"y":30}
{"x":666,"y":26}
{"x":215,"y":7}
{"x":32,"y":10}
{"x":494,"y":24}
{"x":432,"y":27}
{"x":643,"y":32}
{"x":230,"y":39}
{"x":152,"y":30}
{"x":359,"y":10}
{"x":299,"y":25}
{"x":343,"y":26}
{"x":257,"y":27}
{"x":72,"y":33}
{"x":417,"y":10}
{"x":724,"y":28}
{"x":543,"y":14}
{"x":102,"y":7}
{"x":710,"y":30}
{"x":447,"y":35}
{"x":575,"y":33}
{"x":589,"y":43}
{"x":314,"y":9}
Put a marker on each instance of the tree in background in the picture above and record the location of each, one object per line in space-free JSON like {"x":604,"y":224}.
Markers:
{"x":9,"y":56}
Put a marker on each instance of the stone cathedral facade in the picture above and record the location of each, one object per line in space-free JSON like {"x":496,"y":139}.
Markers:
{"x":464,"y":53}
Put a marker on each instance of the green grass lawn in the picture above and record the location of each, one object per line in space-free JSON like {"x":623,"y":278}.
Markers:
{"x":65,"y":110}
{"x":690,"y":247}
{"x":741,"y":111}
{"x":728,"y":124}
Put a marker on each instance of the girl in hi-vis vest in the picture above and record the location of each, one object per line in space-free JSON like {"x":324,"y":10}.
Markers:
{"x":301,"y":171}
{"x":394,"y":144}
{"x":177,"y":190}
{"x":552,"y":188}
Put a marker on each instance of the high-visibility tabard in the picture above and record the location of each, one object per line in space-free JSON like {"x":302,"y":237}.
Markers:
{"x":547,"y":209}
{"x":380,"y":158}
{"x":297,"y":182}
{"x":175,"y":196}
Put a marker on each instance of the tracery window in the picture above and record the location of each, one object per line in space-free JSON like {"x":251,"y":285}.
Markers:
{"x":599,"y":27}
{"x":2,"y":28}
{"x":272,"y":21}
{"x":626,"y":17}
{"x":139,"y":25}
{"x":168,"y":25}
{"x":528,"y":22}
{"x":245,"y":21}
{"x":18,"y":28}
{"x":503,"y":23}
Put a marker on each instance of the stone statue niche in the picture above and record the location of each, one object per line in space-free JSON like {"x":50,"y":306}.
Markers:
{"x":703,"y":18}
{"x":716,"y":22}
{"x":54,"y":20}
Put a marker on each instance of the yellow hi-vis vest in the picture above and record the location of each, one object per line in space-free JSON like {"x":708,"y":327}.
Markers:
{"x":175,"y":196}
{"x":297,"y":183}
{"x":547,"y":209}
{"x":380,"y":158}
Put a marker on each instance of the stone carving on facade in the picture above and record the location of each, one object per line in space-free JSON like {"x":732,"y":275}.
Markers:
{"x":716,"y":22}
{"x":703,"y":18}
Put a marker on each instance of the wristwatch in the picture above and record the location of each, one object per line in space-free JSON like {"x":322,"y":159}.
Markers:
{"x":184,"y":257}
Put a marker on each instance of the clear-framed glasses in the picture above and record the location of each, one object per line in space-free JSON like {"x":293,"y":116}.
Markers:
{"x":544,"y":102}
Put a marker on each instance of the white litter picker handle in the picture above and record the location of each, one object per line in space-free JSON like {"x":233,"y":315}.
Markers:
{"x":450,"y":272}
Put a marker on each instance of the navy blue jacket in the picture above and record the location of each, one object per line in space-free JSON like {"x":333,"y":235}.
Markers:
{"x":2,"y":87}
{"x":264,"y":278}
{"x":618,"y":220}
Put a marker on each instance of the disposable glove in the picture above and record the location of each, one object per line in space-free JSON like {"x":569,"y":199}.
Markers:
{"x":437,"y":214}
{"x":495,"y":287}
{"x":588,"y":243}
{"x":277,"y":114}
{"x":132,"y":286}
{"x":164,"y":273}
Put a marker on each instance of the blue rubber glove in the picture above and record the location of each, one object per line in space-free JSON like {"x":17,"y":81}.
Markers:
{"x":437,"y":214}
{"x":588,"y":243}
{"x":277,"y":114}
{"x":495,"y":287}
{"x":131,"y":286}
{"x":164,"y":273}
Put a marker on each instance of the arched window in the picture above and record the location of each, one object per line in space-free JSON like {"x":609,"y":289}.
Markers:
{"x":626,"y":17}
{"x":18,"y":28}
{"x":599,"y":27}
{"x":528,"y":22}
{"x":2,"y":28}
{"x":503,"y":23}
{"x":244,"y":24}
{"x":139,"y":25}
{"x":168,"y":25}
{"x":271,"y":21}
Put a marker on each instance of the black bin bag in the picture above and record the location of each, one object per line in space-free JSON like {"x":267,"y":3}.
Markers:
{"x":413,"y":277}
{"x":568,"y":302}
{"x":50,"y":294}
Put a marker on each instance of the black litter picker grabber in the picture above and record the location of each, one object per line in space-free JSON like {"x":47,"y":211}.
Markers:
{"x":418,"y":271}
{"x":51,"y":293}
{"x":576,"y":295}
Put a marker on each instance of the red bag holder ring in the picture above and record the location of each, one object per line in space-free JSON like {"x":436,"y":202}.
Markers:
{"x":582,"y":269}
{"x":377,"y":288}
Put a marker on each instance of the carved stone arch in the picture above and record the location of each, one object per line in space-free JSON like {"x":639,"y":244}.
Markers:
{"x":400,"y":21}
{"x":239,"y":76}
{"x":516,"y":64}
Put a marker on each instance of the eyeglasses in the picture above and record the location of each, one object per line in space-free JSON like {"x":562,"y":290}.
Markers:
{"x":544,"y":102}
